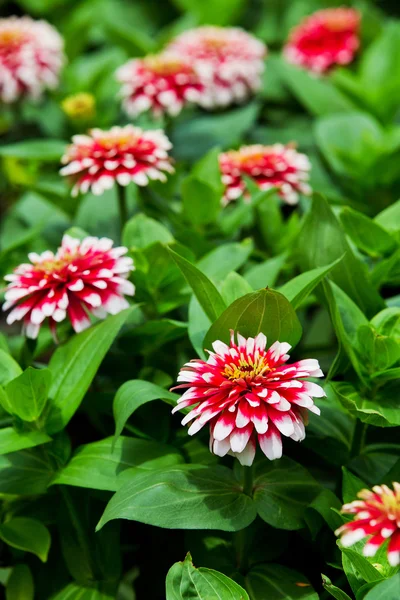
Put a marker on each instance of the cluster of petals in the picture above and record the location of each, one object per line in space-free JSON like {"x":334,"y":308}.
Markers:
{"x":268,"y":166}
{"x":247,"y":393}
{"x":377,"y":517}
{"x":82,"y":278}
{"x":162,"y":83}
{"x":122,"y":154}
{"x":229,"y":62}
{"x":327,"y":38}
{"x":31,"y":56}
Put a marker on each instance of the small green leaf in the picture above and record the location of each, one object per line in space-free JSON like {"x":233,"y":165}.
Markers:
{"x":366,"y":234}
{"x":204,"y":290}
{"x":98,"y":465}
{"x":133,"y":394}
{"x":20,"y":585}
{"x":334,"y":591}
{"x":24,"y":473}
{"x":265,"y":311}
{"x":381,"y":411}
{"x":184,"y":581}
{"x":379,"y":351}
{"x":385,"y":590}
{"x":351,"y":485}
{"x":361,"y":565}
{"x":191,"y":497}
{"x":27,"y":393}
{"x":12,"y":440}
{"x":283,"y":491}
{"x":141,"y":231}
{"x":43,"y":150}
{"x":9,"y":368}
{"x":296,"y":290}
{"x":75,"y":364}
{"x":26,"y":534}
{"x":75,"y":591}
{"x":234,"y":286}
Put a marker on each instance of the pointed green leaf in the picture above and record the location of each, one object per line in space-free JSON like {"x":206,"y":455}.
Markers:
{"x":26,"y":534}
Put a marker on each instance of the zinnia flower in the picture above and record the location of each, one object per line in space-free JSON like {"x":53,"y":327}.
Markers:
{"x":269,"y":166}
{"x":326,"y":38}
{"x":122,"y":154}
{"x":83,"y":277}
{"x":377,"y":517}
{"x":229,"y":62}
{"x":31,"y":56}
{"x":163,"y":84}
{"x":245,"y":393}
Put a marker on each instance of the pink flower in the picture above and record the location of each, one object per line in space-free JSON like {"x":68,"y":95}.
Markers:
{"x":163,"y":84}
{"x":269,"y":166}
{"x":229,"y":62}
{"x":326,"y":38}
{"x":31,"y":56}
{"x":122,"y":154}
{"x":247,"y":393}
{"x":377,"y":517}
{"x":82,"y":278}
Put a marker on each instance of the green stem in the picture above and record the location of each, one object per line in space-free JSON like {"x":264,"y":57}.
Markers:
{"x":123,"y":209}
{"x":248,"y":481}
{"x":358,"y":442}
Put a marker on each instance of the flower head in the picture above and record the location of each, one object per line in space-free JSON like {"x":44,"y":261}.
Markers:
{"x":269,"y":166}
{"x":79,"y":106}
{"x":229,"y":62}
{"x":245,"y":393}
{"x":163,"y":83}
{"x":327,"y":38}
{"x":83,"y":277}
{"x":122,"y":154}
{"x":31,"y":56}
{"x":377,"y":517}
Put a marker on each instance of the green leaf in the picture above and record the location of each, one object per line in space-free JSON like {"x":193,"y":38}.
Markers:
{"x":276,"y":582}
{"x":283,"y":491}
{"x":141,"y":231}
{"x":266,"y":273}
{"x":317,"y":94}
{"x":26,"y":534}
{"x":234,"y":286}
{"x":133,"y":394}
{"x":25,"y":472}
{"x":43,"y":150}
{"x":389,"y":218}
{"x":379,"y":351}
{"x":75,"y":591}
{"x":74,"y":366}
{"x":351,"y":485}
{"x":298,"y":289}
{"x":27,"y":393}
{"x":325,"y":504}
{"x":361,"y":565}
{"x":385,"y":590}
{"x":204,"y":290}
{"x":9,"y":368}
{"x":202,"y":190}
{"x":265,"y":311}
{"x":321,"y":242}
{"x":191,"y":497}
{"x":218,"y":263}
{"x":387,"y":322}
{"x":184,"y":581}
{"x":351,"y":143}
{"x":223,"y":12}
{"x":366,"y":234}
{"x":20,"y":584}
{"x":98,"y":465}
{"x":334,"y":591}
{"x":12,"y":441}
{"x":381,"y":411}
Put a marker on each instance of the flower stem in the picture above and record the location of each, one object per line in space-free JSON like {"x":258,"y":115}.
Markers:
{"x":358,"y":442}
{"x":123,"y":209}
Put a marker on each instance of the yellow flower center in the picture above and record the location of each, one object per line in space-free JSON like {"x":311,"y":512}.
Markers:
{"x":10,"y":38}
{"x":163,"y":65}
{"x":247,"y":368}
{"x":79,"y":106}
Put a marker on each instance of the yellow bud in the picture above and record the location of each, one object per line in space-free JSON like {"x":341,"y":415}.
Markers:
{"x":79,"y":106}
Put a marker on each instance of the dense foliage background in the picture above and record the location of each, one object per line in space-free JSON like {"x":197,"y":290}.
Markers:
{"x":335,"y":257}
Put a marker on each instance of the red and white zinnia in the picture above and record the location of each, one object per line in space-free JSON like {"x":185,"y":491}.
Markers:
{"x":120,"y":155}
{"x":326,"y":38}
{"x":377,"y":518}
{"x":162,"y":83}
{"x":82,"y":278}
{"x":268,"y":166}
{"x":248,"y":394}
{"x":228,"y":60}
{"x":31,"y":56}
